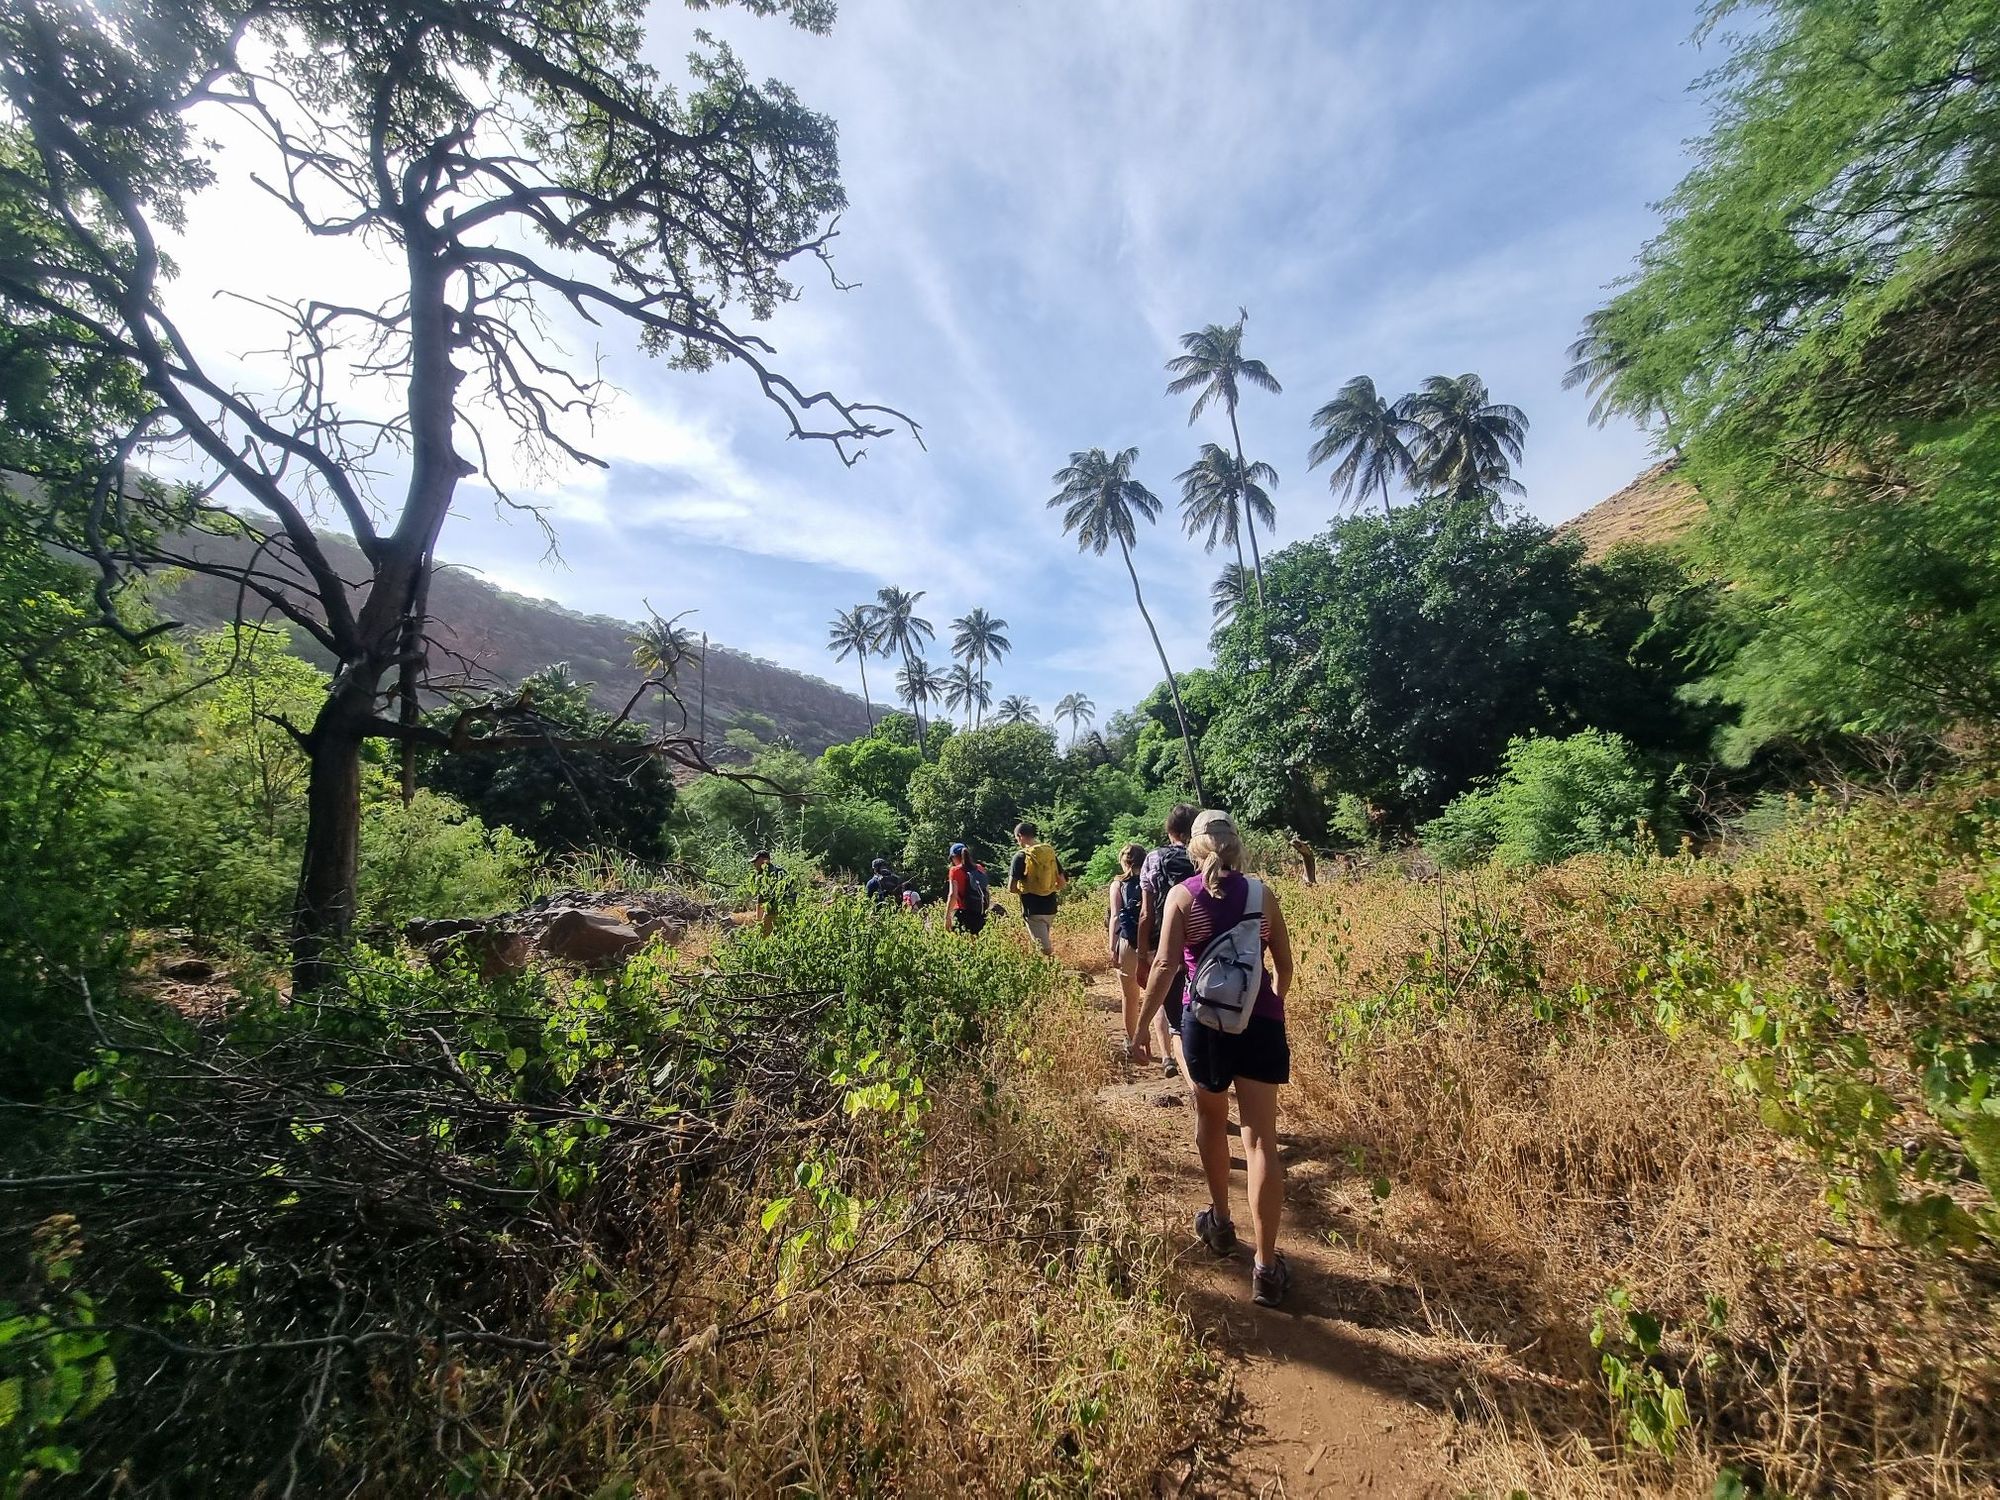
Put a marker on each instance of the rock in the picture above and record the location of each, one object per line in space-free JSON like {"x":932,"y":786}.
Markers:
{"x":189,"y":971}
{"x":425,"y":931}
{"x":666,"y":929}
{"x":496,"y":950}
{"x":589,"y":937}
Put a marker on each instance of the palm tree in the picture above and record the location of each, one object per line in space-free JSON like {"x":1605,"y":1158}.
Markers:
{"x":917,"y":685}
{"x":1216,"y":491}
{"x":899,"y":629}
{"x":1366,"y":439}
{"x":1016,"y":709}
{"x":1214,"y":365}
{"x":660,"y":648}
{"x":1077,"y":710}
{"x":1231,"y":593}
{"x":1098,"y":499}
{"x":1468,"y":440}
{"x":853,"y":633}
{"x":980,"y":639}
{"x":963,"y":689}
{"x":1603,"y":367}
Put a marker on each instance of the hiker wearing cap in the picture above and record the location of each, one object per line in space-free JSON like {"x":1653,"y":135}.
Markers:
{"x":1217,"y":929}
{"x":1036,"y":876}
{"x":966,"y":905}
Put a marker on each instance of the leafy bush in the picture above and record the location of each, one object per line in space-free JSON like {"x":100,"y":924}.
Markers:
{"x":433,"y":858}
{"x":1554,"y":799}
{"x":562,"y":798}
{"x":901,"y":982}
{"x":72,"y":879}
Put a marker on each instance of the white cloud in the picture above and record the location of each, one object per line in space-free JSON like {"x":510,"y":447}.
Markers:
{"x":1044,"y":195}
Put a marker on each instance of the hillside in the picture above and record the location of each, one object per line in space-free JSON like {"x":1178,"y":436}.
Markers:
{"x":495,"y":637}
{"x":1658,"y":506}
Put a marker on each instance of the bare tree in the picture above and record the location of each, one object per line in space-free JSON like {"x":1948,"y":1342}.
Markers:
{"x":523,"y":170}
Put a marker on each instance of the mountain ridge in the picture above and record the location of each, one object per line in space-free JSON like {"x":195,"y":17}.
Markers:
{"x":498,"y":637}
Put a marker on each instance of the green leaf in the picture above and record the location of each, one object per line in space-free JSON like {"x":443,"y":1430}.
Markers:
{"x":517,"y":1059}
{"x":774,"y":1211}
{"x":10,"y":1401}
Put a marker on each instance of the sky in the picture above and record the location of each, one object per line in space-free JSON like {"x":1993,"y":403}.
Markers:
{"x":1044,"y":195}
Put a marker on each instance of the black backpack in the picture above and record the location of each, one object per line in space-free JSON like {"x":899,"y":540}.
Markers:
{"x":1174,"y":867}
{"x":976,"y":887}
{"x":1129,"y":905}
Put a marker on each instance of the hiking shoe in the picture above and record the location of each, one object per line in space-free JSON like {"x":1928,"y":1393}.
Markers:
{"x":1268,"y":1284}
{"x":1218,"y":1234}
{"x":1168,"y":1071}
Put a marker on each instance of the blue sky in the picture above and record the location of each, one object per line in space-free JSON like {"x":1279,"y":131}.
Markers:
{"x":1044,"y":195}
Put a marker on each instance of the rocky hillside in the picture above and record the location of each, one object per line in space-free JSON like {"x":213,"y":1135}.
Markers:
{"x":1656,"y":507}
{"x":495,"y":637}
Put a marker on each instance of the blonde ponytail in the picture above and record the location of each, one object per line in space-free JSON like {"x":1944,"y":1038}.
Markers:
{"x":1216,"y":848}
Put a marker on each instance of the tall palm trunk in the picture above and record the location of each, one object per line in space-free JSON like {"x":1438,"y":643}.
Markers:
{"x":1249,"y":520}
{"x":1173,"y":687}
{"x":862,"y":658}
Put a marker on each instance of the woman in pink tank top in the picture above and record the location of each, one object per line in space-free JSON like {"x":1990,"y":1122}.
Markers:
{"x":1255,"y":1063}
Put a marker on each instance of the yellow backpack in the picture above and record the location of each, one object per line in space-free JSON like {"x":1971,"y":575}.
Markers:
{"x":1041,"y":872}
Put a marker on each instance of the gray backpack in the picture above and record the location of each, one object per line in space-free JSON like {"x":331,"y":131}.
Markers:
{"x":1230,"y":972}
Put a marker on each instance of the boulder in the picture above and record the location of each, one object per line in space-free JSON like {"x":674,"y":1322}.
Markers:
{"x":425,"y":931}
{"x":666,"y":929}
{"x":589,"y":937}
{"x":495,"y":950}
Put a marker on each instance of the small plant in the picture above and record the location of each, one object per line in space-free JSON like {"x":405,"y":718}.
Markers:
{"x":1653,"y":1410}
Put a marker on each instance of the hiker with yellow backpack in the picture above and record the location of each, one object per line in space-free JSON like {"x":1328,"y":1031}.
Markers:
{"x":1036,"y":876}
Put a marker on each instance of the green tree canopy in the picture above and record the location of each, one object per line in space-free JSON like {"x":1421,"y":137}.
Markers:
{"x":1396,"y":657}
{"x":1818,"y":322}
{"x":975,"y":789}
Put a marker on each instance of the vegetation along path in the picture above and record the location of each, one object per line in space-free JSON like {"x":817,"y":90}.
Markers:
{"x":1333,"y":1400}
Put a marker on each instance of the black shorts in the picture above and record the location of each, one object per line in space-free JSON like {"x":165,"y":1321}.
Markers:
{"x":1215,"y":1059}
{"x":968,"y":920}
{"x":1172,"y":1004}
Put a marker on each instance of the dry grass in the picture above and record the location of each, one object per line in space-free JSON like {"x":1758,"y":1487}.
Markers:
{"x":1000,"y":1325}
{"x":1535,"y":1163}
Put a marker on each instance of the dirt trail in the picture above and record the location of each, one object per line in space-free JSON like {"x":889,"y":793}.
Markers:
{"x":1329,"y":1405}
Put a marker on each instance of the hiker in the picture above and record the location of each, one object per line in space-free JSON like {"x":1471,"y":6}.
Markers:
{"x":1216,"y":931}
{"x":1123,"y":921}
{"x":884,"y":884}
{"x":767,"y":888}
{"x":1165,"y":868}
{"x":965,"y":907}
{"x":1035,"y":876}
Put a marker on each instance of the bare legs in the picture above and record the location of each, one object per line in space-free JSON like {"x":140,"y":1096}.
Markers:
{"x":1130,"y":991}
{"x":1257,"y":1110}
{"x":1211,"y":1143}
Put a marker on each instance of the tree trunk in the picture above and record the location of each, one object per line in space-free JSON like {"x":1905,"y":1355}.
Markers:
{"x":1173,"y":687}
{"x":324,"y":910}
{"x":409,"y":673}
{"x":1243,"y":495}
{"x":862,"y":657}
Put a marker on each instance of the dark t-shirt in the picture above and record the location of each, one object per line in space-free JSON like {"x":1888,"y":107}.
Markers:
{"x":885,"y":886}
{"x":1031,"y":904}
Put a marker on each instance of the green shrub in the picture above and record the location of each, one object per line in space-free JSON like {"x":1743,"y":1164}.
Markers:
{"x":433,"y":858}
{"x":1554,"y":799}
{"x":898,"y":982}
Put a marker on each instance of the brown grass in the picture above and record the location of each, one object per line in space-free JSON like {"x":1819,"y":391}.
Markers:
{"x":1001,"y":1325}
{"x":1533,"y":1165}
